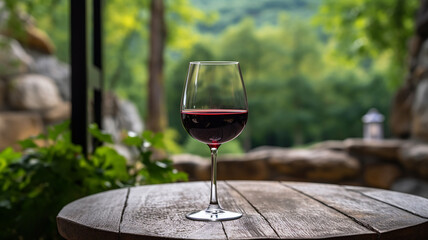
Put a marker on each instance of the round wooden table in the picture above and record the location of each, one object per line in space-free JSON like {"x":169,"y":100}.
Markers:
{"x":272,"y":210}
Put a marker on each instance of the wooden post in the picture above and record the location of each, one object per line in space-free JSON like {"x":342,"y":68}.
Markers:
{"x":86,"y":67}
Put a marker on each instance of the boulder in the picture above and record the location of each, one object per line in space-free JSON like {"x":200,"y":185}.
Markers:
{"x":37,"y":39}
{"x":420,"y":112}
{"x":128,"y":117}
{"x":414,"y":157}
{"x":386,"y":149}
{"x":13,"y":58}
{"x":15,"y":126}
{"x":33,"y":92}
{"x":51,"y":67}
{"x":57,"y":113}
{"x":313,"y":165}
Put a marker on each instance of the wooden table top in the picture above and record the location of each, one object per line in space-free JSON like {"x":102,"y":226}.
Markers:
{"x":272,"y":210}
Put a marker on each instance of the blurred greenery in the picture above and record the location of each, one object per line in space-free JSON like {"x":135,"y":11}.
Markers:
{"x":36,"y":184}
{"x":312,"y":68}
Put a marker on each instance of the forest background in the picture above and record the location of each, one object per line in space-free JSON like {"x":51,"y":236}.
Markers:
{"x":312,"y":68}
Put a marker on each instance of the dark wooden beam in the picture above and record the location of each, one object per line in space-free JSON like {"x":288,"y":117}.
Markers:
{"x":86,"y":69}
{"x":79,"y":73}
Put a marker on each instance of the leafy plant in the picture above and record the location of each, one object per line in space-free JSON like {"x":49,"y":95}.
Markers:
{"x":52,"y":171}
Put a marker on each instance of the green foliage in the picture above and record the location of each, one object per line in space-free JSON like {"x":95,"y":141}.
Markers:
{"x":368,"y":29}
{"x":154,"y":171}
{"x":38,"y":183}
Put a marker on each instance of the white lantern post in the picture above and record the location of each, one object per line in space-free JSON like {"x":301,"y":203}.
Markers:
{"x":373,"y":125}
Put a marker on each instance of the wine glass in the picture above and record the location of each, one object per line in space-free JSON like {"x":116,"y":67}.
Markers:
{"x":214,"y":110}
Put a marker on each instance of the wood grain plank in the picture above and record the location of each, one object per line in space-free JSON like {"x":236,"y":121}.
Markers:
{"x":296,"y":216}
{"x":251,"y":225}
{"x":411,"y":203}
{"x":389,"y":221}
{"x":93,"y":217}
{"x":158,"y":211}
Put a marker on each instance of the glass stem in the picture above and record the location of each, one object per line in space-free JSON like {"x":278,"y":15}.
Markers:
{"x":213,"y":195}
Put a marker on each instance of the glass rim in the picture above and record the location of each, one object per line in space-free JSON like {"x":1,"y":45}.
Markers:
{"x":214,"y":62}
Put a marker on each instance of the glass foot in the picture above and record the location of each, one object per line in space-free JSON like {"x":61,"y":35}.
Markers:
{"x":213,"y":214}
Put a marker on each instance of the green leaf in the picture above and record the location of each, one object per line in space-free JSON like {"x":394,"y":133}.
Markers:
{"x":8,"y":156}
{"x":136,"y":141}
{"x":111,"y":163}
{"x":55,"y":131}
{"x":27,"y":143}
{"x":155,"y":140}
{"x":98,"y":134}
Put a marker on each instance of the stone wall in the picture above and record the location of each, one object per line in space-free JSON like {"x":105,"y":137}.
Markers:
{"x":390,"y":164}
{"x":35,"y":93}
{"x":30,"y":97}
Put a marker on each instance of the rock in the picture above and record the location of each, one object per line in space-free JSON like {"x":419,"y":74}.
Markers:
{"x":381,"y":175}
{"x":420,"y":112}
{"x":33,"y":92}
{"x":423,"y":55}
{"x":414,"y":157}
{"x":198,"y":168}
{"x":2,"y":95}
{"x":330,"y":145}
{"x":128,"y":117}
{"x":57,"y":113}
{"x":16,"y":126}
{"x":264,"y":148}
{"x":401,"y":114}
{"x":110,"y":127}
{"x":314,"y":165}
{"x":412,"y":186}
{"x":13,"y":58}
{"x":38,"y":40}
{"x":50,"y":66}
{"x":242,"y":168}
{"x":110,"y":104}
{"x":386,"y":149}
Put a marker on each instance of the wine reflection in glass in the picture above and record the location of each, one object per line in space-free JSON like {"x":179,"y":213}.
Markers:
{"x":214,"y":110}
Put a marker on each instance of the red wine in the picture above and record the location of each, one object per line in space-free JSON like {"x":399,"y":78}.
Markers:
{"x":214,"y":126}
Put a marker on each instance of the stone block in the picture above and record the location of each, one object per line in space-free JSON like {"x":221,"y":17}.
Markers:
{"x":314,"y":165}
{"x":330,"y":145}
{"x":242,"y":168}
{"x":381,"y":175}
{"x":15,"y":126}
{"x":32,"y":92}
{"x":386,"y":149}
{"x":57,"y":113}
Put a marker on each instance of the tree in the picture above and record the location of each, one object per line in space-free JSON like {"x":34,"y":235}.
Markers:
{"x":157,"y":118}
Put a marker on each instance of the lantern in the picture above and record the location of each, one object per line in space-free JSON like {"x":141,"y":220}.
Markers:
{"x":373,"y":125}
